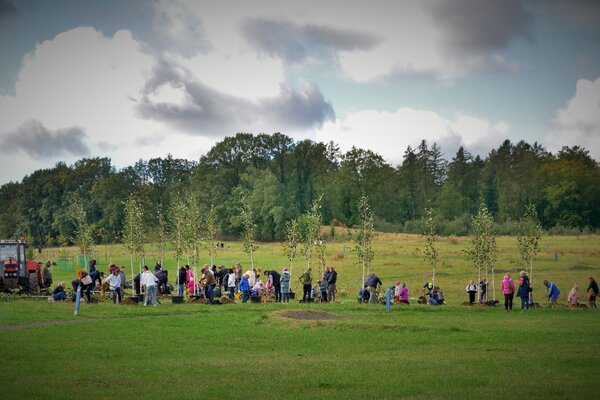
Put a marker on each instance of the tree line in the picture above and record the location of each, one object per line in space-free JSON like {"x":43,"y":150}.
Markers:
{"x":281,"y":178}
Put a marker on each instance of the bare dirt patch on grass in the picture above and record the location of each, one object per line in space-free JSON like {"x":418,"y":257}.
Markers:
{"x":308,"y":315}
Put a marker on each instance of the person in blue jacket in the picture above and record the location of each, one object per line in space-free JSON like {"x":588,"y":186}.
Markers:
{"x":524,"y":290}
{"x":553,"y":291}
{"x":244,"y":287}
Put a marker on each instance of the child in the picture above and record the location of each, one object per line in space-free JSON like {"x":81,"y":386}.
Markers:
{"x":315,"y":293}
{"x":573,"y":298}
{"x":323,"y":288}
{"x":397,"y":291}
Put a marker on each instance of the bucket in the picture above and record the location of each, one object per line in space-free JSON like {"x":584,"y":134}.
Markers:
{"x":238,"y":296}
{"x":177,"y":299}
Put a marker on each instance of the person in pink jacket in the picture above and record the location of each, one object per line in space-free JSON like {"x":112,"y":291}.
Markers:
{"x":508,"y":288}
{"x":573,"y":298}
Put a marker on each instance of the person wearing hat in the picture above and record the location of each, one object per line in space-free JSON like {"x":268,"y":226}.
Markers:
{"x":284,"y":281}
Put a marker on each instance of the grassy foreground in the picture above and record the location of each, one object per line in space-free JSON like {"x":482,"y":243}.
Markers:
{"x":194,"y":351}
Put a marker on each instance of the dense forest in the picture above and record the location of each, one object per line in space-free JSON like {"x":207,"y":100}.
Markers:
{"x":281,"y":177}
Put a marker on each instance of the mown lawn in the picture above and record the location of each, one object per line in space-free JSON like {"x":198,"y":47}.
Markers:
{"x":195,"y":351}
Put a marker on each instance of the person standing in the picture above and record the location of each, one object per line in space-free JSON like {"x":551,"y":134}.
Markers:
{"x":471,"y":289}
{"x":524,"y":289}
{"x":114,"y":284}
{"x":553,"y":291}
{"x":47,"y":275}
{"x":483,"y":286}
{"x":149,"y":280}
{"x":210,"y":283}
{"x":158,"y":266}
{"x":231,"y":283}
{"x":323,"y":289}
{"x":593,"y":291}
{"x":244,"y":287}
{"x":275,"y":280}
{"x":371,"y":282}
{"x":285,"y":285}
{"x":508,"y":288}
{"x":181,"y":279}
{"x":332,"y":282}
{"x":306,"y":280}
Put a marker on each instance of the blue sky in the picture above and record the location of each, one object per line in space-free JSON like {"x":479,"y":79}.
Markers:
{"x":141,"y":79}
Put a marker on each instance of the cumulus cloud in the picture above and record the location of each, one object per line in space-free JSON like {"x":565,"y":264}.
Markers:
{"x":578,"y":123}
{"x":33,"y":139}
{"x":202,"y":110}
{"x":293,"y":42}
{"x":390,"y":133}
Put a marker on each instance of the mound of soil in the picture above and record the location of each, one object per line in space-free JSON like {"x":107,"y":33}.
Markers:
{"x":129,"y":301}
{"x":310,"y":315}
{"x":198,"y":300}
{"x":226,"y":300}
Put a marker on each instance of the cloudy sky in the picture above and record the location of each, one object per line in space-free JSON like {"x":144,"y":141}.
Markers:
{"x":140,"y":79}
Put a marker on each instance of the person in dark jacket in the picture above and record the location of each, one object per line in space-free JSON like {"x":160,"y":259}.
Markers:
{"x":221,"y":276}
{"x":59,"y":293}
{"x":524,"y":289}
{"x":593,"y":291}
{"x":363,"y":295}
{"x":136,"y":284}
{"x":182,"y":280}
{"x":275,"y":279}
{"x":163,"y":278}
{"x":371,"y":282}
{"x":331,"y":283}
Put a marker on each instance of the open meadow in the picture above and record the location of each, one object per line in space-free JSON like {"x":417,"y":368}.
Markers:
{"x":344,"y":350}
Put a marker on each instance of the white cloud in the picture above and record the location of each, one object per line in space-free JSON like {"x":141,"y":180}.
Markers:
{"x":390,"y":133}
{"x":578,"y":123}
{"x":242,"y":74}
{"x":82,"y":78}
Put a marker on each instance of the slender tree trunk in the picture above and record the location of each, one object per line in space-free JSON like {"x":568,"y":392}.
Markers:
{"x":493,"y":285}
{"x":363,"y":274}
{"x":291,"y":272}
{"x":132,"y":273}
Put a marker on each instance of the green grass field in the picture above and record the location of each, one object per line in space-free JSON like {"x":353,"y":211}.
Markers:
{"x":195,"y":351}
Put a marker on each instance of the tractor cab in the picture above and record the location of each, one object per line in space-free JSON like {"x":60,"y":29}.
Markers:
{"x":15,"y":270}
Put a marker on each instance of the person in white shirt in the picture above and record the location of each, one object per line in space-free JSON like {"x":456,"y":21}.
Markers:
{"x":149,"y":280}
{"x":252,"y":277}
{"x":471,"y":289}
{"x":231,"y":283}
{"x":114,"y":284}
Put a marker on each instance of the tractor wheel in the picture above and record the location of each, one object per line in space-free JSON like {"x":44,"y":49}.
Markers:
{"x":33,"y":284}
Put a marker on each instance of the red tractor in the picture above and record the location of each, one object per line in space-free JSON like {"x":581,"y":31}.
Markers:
{"x":15,"y":271}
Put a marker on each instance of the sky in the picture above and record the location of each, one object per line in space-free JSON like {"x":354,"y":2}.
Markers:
{"x":135,"y":79}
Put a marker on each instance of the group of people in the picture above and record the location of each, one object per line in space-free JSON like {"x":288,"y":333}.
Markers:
{"x":524,"y":291}
{"x":249,"y":285}
{"x":325,"y":288}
